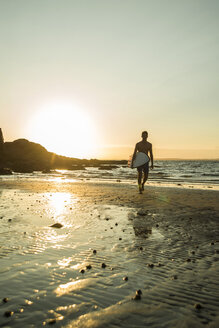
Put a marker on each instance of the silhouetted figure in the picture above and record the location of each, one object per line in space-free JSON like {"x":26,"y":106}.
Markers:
{"x":144,"y":147}
{"x":1,"y":149}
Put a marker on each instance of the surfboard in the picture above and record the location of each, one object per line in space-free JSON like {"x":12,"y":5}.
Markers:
{"x":140,"y":159}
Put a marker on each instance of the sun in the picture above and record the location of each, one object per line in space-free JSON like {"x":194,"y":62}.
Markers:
{"x":64,"y":129}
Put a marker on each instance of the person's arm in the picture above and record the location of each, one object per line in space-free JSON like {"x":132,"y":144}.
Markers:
{"x":134,"y":155}
{"x":152,"y":158}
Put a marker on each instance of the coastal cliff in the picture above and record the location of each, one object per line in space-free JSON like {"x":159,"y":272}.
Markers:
{"x":25,"y":157}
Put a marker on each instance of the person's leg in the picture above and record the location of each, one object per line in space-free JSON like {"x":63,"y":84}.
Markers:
{"x":139,"y":179}
{"x":146,"y":171}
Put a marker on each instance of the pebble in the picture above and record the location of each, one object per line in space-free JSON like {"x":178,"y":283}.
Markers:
{"x":56,"y":225}
{"x":8,"y":314}
{"x":120,"y":238}
{"x":150,"y":265}
{"x":141,"y":248}
{"x":82,"y":271}
{"x":9,"y":220}
{"x":51,"y":321}
{"x":174,"y":277}
{"x":188,"y":260}
{"x":5,"y":300}
{"x":116,"y":224}
{"x":212,"y":243}
{"x":125,"y":278}
{"x":198,"y":306}
{"x":103,"y":265}
{"x":157,"y":225}
{"x":138,"y":292}
{"x":88,"y":266}
{"x":94,"y":251}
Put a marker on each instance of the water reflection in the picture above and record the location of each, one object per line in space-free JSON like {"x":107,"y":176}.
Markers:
{"x":73,"y":286}
{"x":58,"y":201}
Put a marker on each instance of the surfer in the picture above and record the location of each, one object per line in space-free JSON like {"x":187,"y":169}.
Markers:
{"x":144,"y":147}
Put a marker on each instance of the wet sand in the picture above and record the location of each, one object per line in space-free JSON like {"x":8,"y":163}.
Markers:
{"x":164,"y":242}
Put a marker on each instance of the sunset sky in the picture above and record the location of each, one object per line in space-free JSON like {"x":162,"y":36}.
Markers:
{"x":84,"y":78}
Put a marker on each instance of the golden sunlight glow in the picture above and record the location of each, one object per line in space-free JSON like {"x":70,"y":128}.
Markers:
{"x":65,"y":130}
{"x":58,"y":202}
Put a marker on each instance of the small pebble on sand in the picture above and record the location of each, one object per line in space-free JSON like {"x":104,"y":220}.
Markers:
{"x":56,"y":225}
{"x":88,"y":266}
{"x":138,"y":292}
{"x":120,"y":238}
{"x":198,"y":306}
{"x":125,"y":278}
{"x":103,"y":265}
{"x":150,"y":265}
{"x":5,"y":300}
{"x":8,"y":314}
{"x":141,"y":248}
{"x":82,"y":271}
{"x":174,"y":277}
{"x":94,"y":251}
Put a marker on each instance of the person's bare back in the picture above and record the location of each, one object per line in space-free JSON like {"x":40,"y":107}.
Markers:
{"x":144,"y":147}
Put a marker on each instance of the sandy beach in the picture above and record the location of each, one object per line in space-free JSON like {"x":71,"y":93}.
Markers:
{"x":111,"y":242}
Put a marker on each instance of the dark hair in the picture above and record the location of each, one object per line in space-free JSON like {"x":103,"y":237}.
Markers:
{"x":144,"y":132}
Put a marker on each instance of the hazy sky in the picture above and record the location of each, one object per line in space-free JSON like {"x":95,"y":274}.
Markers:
{"x":102,"y":71}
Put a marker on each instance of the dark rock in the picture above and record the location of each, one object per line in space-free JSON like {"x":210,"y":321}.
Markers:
{"x":56,"y":225}
{"x":103,"y":265}
{"x":82,"y":271}
{"x":150,"y":265}
{"x":52,"y":321}
{"x":8,"y":314}
{"x":94,"y":251}
{"x":175,"y":277}
{"x":5,"y":171}
{"x":46,"y":171}
{"x":88,"y":267}
{"x":120,"y":238}
{"x":198,"y":306}
{"x":141,"y":248}
{"x":125,"y":278}
{"x":138,"y":292}
{"x":5,"y":300}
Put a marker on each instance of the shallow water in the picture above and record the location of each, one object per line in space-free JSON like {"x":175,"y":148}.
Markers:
{"x":40,"y":265}
{"x":190,"y":173}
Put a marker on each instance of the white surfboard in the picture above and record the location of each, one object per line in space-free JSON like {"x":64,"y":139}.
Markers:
{"x":140,"y":159}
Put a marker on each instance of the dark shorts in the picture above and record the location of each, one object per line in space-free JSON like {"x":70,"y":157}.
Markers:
{"x":144,"y":168}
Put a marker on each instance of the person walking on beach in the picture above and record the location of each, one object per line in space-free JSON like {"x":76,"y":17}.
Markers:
{"x":144,"y":147}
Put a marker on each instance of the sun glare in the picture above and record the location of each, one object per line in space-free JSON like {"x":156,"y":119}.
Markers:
{"x":65,"y":130}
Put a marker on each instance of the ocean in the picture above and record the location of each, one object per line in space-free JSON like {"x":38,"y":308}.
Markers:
{"x":192,"y":173}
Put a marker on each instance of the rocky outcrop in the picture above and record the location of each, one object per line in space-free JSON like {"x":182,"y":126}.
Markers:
{"x":25,"y":157}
